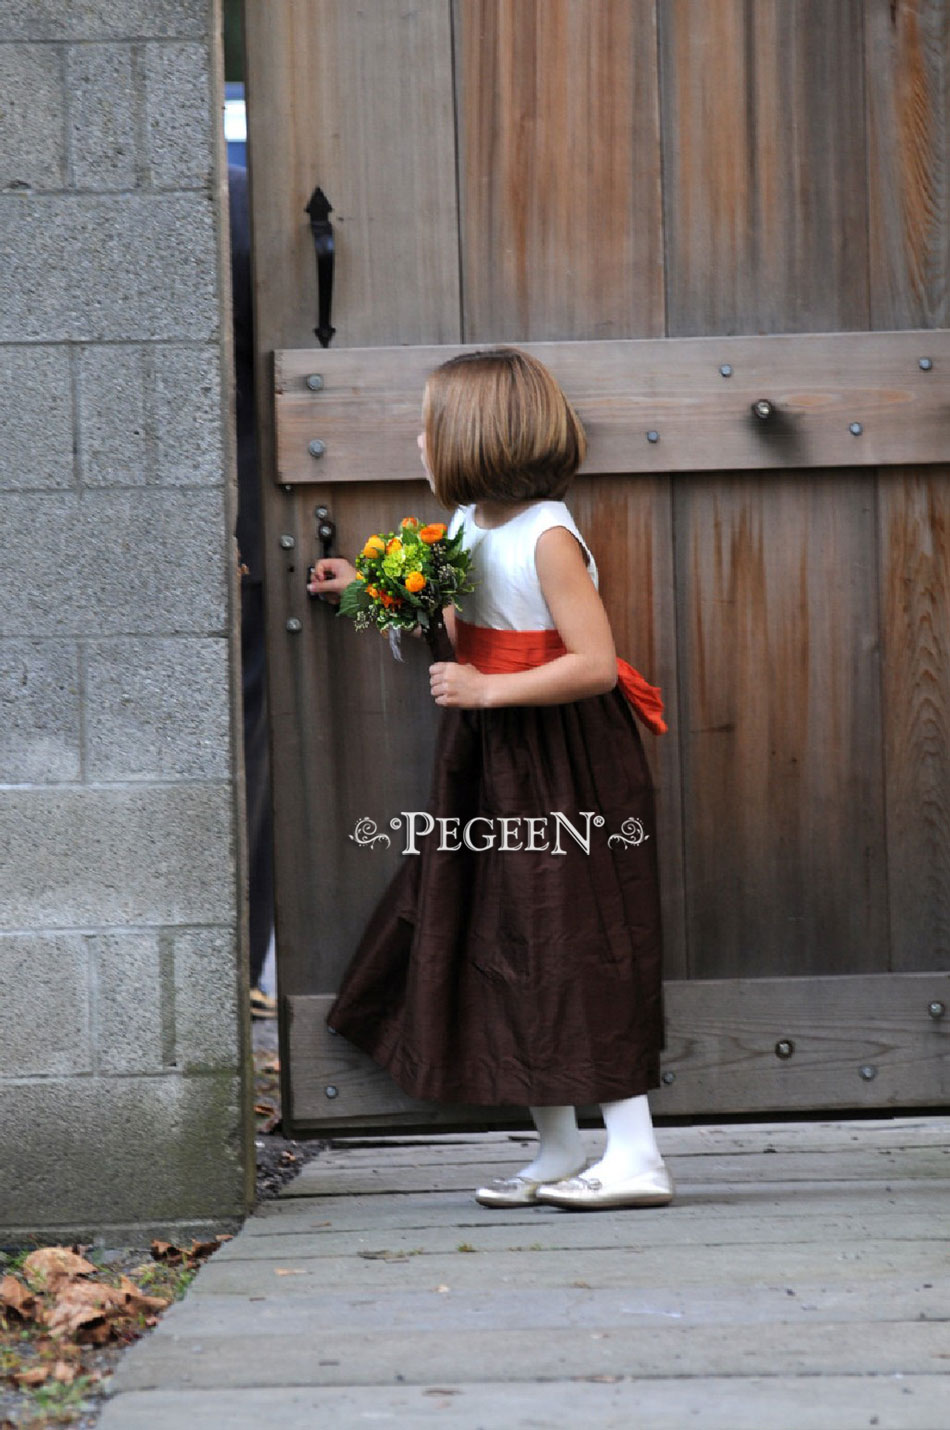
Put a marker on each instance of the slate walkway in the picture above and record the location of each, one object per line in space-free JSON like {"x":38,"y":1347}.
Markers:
{"x":799,"y":1282}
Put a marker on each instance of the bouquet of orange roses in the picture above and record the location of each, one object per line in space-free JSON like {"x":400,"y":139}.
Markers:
{"x":404,"y":580}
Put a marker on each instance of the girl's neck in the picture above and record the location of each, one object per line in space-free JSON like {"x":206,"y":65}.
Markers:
{"x":489,"y":514}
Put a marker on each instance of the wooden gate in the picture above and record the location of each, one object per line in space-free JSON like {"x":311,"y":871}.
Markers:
{"x":686,"y":207}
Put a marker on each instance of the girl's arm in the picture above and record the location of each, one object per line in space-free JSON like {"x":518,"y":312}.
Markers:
{"x":588,"y":668}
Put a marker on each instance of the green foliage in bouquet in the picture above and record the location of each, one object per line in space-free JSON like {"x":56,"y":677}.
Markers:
{"x":405,"y":580}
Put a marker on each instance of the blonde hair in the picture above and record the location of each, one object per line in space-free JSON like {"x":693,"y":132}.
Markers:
{"x":498,"y":427}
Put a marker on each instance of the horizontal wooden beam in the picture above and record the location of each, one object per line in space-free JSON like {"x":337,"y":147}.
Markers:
{"x":363,"y":404}
{"x":856,"y":1041}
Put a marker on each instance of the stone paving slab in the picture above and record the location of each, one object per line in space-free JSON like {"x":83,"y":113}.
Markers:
{"x":806,"y":1288}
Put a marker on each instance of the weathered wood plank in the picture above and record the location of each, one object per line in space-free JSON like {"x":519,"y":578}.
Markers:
{"x":737,"y":1403}
{"x":932,"y":1164}
{"x":559,"y":164}
{"x":764,"y":191}
{"x":907,"y":70}
{"x":914,"y":538}
{"x":780,"y":725}
{"x":294,"y":1248}
{"x":329,"y":104}
{"x":327,"y":94}
{"x":628,"y":522}
{"x":367,"y":413}
{"x":721,"y":1048}
{"x":747,"y":1138}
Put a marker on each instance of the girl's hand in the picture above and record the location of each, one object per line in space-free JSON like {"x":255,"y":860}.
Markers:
{"x":331,"y":575}
{"x":460,"y":686}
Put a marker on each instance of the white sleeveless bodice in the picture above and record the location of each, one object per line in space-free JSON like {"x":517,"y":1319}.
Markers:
{"x":507,"y":592}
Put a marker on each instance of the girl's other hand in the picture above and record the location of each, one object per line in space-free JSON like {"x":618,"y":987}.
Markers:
{"x":331,"y":575}
{"x":460,"y":686}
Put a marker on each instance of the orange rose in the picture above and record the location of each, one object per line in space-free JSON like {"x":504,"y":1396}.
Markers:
{"x":388,"y":600}
{"x":411,"y":522}
{"x":415,"y":581}
{"x":372,"y":591}
{"x":394,"y":545}
{"x":433,"y":532}
{"x":374,"y":547}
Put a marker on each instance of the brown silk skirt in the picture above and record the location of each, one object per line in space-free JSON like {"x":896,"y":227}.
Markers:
{"x":521,"y":977}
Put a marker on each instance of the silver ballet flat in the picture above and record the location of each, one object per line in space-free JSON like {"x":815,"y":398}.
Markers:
{"x":585,"y":1193}
{"x":510,"y":1192}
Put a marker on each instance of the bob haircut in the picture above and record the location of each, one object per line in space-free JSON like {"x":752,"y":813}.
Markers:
{"x":499,"y":428}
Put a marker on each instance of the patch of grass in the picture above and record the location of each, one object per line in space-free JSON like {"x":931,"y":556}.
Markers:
{"x":58,"y":1403}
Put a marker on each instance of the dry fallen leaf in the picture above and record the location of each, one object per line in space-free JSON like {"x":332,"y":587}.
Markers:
{"x":34,"y":1375}
{"x":49,"y":1266}
{"x":442,"y":1290}
{"x":138,"y":1300}
{"x":15,"y":1297}
{"x":82,"y":1306}
{"x":289,"y":1271}
{"x":64,"y":1372}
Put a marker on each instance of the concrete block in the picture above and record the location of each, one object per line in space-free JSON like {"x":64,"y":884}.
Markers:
{"x":45,"y":984}
{"x":157,"y":708}
{"x":102,"y":117}
{"x":207,"y":1034}
{"x":95,"y":268}
{"x":188,"y":422}
{"x":178,"y":115}
{"x":126,"y":562}
{"x":126,"y":971}
{"x":36,"y":418}
{"x":114,"y":386}
{"x":81,"y":1152}
{"x":103,"y":19}
{"x":79,"y":857}
{"x":39,"y":712}
{"x":32,"y":118}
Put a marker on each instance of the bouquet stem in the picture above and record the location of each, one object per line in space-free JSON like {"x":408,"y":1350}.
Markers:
{"x":438,"y":637}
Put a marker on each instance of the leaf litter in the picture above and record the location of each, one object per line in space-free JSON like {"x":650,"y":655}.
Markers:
{"x":63,"y":1317}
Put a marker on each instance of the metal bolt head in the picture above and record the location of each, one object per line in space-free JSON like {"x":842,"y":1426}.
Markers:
{"x":287,"y":541}
{"x":331,"y":1091}
{"x":315,"y":382}
{"x":925,"y":364}
{"x":316,"y":448}
{"x":868,"y":1072}
{"x":762,"y":408}
{"x":321,"y":512}
{"x":293,"y":625}
{"x":653,"y":436}
{"x":726,"y":370}
{"x":668,"y":1078}
{"x":936,"y":1009}
{"x":855,"y":429}
{"x":784,"y":1048}
{"x":287,"y":487}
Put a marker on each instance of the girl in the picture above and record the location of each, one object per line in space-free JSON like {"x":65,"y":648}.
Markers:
{"x":525,"y":969}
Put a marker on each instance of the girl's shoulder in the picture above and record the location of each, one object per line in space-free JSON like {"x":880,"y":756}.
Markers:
{"x":547,"y":514}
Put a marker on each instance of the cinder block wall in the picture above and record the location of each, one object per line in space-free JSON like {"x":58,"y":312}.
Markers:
{"x":121,"y":1056}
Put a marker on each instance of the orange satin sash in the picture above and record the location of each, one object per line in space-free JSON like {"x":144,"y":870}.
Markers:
{"x":497,"y":652}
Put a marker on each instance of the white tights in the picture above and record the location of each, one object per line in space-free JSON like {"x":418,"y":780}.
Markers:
{"x":631,"y":1145}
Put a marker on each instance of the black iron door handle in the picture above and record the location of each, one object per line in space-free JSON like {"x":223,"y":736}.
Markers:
{"x":319,"y":208}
